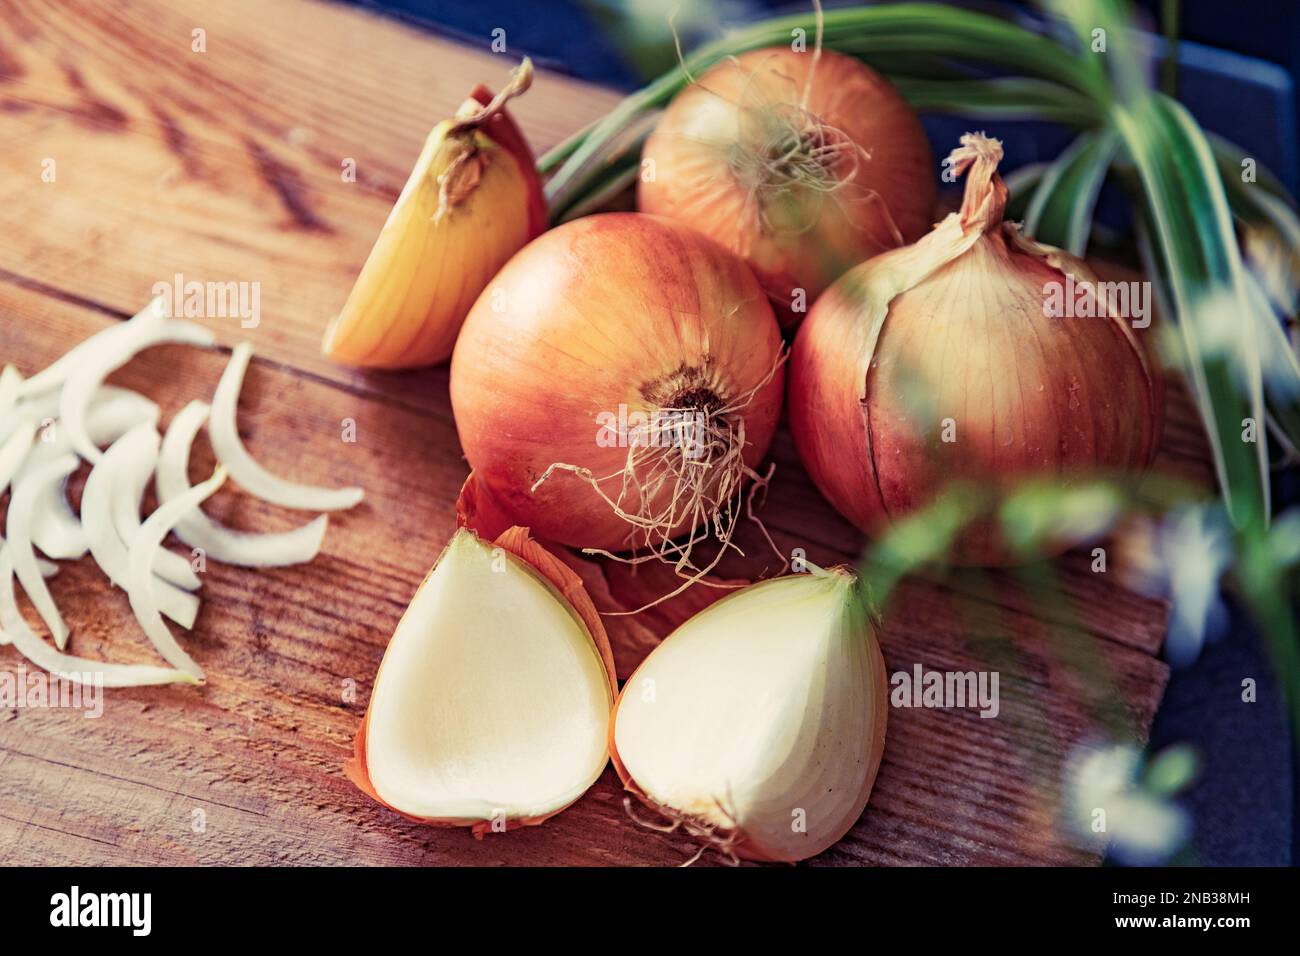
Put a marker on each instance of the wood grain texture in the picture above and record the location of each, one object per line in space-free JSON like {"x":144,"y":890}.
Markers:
{"x":225,"y":165}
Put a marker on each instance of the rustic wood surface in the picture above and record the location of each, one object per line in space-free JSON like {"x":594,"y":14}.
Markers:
{"x":226,"y":165}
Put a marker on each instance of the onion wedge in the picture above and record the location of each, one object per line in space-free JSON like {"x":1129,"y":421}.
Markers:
{"x":139,"y":444}
{"x":13,"y":629}
{"x":91,"y":370}
{"x":759,"y":724}
{"x":491,"y":707}
{"x":271,"y":550}
{"x":140,"y":577}
{"x":56,"y":529}
{"x":22,"y":505}
{"x":109,"y":339}
{"x":244,"y":470}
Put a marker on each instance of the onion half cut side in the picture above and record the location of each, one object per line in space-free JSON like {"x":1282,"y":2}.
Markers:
{"x":245,"y":549}
{"x":245,"y":471}
{"x":91,"y":369}
{"x":140,"y":444}
{"x":22,"y":507}
{"x":759,"y":724}
{"x":76,"y":669}
{"x":491,"y":707}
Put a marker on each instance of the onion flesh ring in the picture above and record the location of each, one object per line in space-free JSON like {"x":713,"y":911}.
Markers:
{"x":245,"y":471}
{"x":140,"y":575}
{"x":94,"y":367}
{"x":13,"y":629}
{"x":18,"y":524}
{"x":196,"y":529}
{"x":106,"y":545}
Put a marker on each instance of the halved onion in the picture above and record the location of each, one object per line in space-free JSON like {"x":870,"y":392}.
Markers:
{"x":90,"y":371}
{"x":56,"y":529}
{"x":78,"y":670}
{"x":53,"y":376}
{"x":140,"y":577}
{"x":245,"y":471}
{"x":110,"y":553}
{"x":491,"y":707}
{"x":124,"y":507}
{"x":270,"y":550}
{"x":759,"y":724}
{"x":18,"y":524}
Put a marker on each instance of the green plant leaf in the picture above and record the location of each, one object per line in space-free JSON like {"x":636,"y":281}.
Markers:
{"x":1060,"y":211}
{"x":1012,"y":97}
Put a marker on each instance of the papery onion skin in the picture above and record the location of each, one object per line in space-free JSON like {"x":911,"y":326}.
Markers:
{"x":703,"y":178}
{"x":606,"y":311}
{"x":430,"y":263}
{"x":1029,"y":396}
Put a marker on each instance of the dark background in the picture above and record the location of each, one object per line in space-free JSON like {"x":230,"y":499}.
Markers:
{"x":1237,"y":76}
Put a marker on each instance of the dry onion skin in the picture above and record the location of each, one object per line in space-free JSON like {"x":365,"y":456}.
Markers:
{"x":619,"y":314}
{"x":244,"y":469}
{"x":802,"y":163}
{"x":196,"y":529}
{"x":491,"y":707}
{"x":758,"y":726}
{"x":473,"y":199}
{"x":951,"y":334}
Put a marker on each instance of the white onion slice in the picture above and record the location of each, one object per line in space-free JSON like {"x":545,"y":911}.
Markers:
{"x":14,"y":450}
{"x":56,"y":374}
{"x":9,"y":382}
{"x":140,"y":576}
{"x":94,"y":367}
{"x":127,"y":496}
{"x":245,"y":471}
{"x":106,"y":545}
{"x":56,"y":529}
{"x":18,"y":525}
{"x":76,"y":669}
{"x":47,"y":570}
{"x":270,"y":550}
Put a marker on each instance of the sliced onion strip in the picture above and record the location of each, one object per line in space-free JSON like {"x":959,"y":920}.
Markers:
{"x":245,"y":471}
{"x":56,"y":374}
{"x":14,"y":450}
{"x":56,"y":529}
{"x":276,"y":549}
{"x":127,"y":494}
{"x":110,"y":553}
{"x":94,"y":367}
{"x":22,"y":504}
{"x":140,"y":576}
{"x":65,"y":666}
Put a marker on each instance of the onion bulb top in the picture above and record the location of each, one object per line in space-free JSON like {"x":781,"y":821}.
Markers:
{"x":759,"y":724}
{"x":947,"y":360}
{"x":617,"y":382}
{"x":803,"y":163}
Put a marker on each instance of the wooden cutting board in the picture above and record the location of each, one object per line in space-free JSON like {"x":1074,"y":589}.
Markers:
{"x":227,"y":165}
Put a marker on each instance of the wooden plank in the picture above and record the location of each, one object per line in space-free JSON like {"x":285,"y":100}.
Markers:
{"x":258,"y":751}
{"x":227,"y":165}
